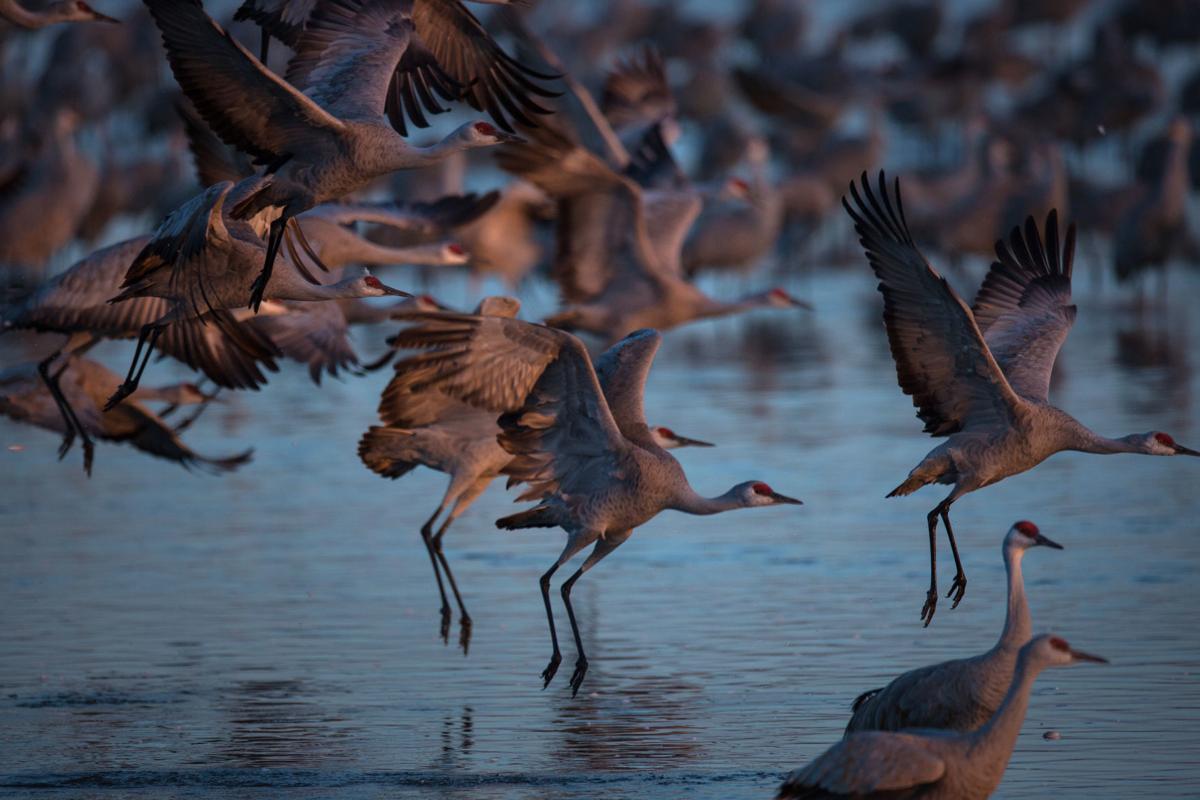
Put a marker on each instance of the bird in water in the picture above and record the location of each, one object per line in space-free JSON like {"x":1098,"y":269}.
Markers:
{"x":980,"y":375}
{"x":961,"y":694}
{"x":932,"y":764}
{"x":576,"y":432}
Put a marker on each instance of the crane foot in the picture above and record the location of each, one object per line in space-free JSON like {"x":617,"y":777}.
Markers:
{"x":551,"y":668}
{"x":123,"y":391}
{"x":581,"y":668}
{"x":89,"y":450}
{"x":464,"y":633}
{"x":445,"y":626}
{"x":931,"y":598}
{"x":65,"y":447}
{"x":958,"y":589}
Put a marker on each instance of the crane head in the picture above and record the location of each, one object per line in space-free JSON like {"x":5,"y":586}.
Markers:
{"x":370,"y":286}
{"x":1054,"y":651}
{"x":1024,"y":535}
{"x":485,"y":134}
{"x":668,"y":439}
{"x":779,"y":298}
{"x":87,"y":12}
{"x":756,"y":493}
{"x":1157,"y":443}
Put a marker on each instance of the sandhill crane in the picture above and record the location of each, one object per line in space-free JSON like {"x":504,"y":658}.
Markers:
{"x":430,"y":428}
{"x":52,"y":14}
{"x":964,"y":693}
{"x":322,"y":132}
{"x":618,"y":260}
{"x":75,"y":303}
{"x":946,"y":765}
{"x":1154,"y":227}
{"x":452,"y":55}
{"x":201,"y":261}
{"x":980,"y":375}
{"x":588,"y":456}
{"x":25,"y":398}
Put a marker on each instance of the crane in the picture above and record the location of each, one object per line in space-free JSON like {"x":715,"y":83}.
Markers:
{"x":322,"y":132}
{"x":586,"y":453}
{"x":933,"y":764}
{"x":980,"y":375}
{"x":961,"y":694}
{"x":433,"y":429}
{"x":53,"y":13}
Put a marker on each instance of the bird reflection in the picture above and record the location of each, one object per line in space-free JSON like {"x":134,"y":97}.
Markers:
{"x":1152,"y":353}
{"x":458,"y":741}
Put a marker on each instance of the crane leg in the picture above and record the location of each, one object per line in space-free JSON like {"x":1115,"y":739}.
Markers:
{"x":575,"y":543}
{"x":959,"y":587}
{"x":461,"y":504}
{"x":71,"y":421}
{"x":264,"y":48}
{"x":147,"y":338}
{"x":931,"y":597}
{"x":427,"y":538}
{"x":274,"y":237}
{"x":602,"y":549}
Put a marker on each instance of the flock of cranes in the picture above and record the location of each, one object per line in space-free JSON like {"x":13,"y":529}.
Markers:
{"x":265,"y":263}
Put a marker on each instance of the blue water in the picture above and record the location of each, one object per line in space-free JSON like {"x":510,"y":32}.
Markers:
{"x":273,"y":633}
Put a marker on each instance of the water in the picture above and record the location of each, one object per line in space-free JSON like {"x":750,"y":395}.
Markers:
{"x":274,"y":633}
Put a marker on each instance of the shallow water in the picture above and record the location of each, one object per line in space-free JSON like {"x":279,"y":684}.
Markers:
{"x":273,"y":633}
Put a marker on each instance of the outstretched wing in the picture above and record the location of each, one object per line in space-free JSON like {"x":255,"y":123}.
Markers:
{"x":636,"y":91}
{"x":865,"y":763}
{"x":941,"y":358}
{"x":314,"y":334}
{"x":347,"y":53}
{"x":247,"y":105}
{"x":1024,"y":306}
{"x":283,"y":19}
{"x":622,"y":370}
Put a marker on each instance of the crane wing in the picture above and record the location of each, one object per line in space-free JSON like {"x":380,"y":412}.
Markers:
{"x":315,"y":334}
{"x":283,"y":19}
{"x":1024,"y":306}
{"x":636,"y":91}
{"x":602,"y":237}
{"x":936,"y":696}
{"x":941,"y":358}
{"x":347,"y":53}
{"x":429,"y":219}
{"x":865,"y":763}
{"x":622,"y":370}
{"x":492,"y":80}
{"x":139,"y":426}
{"x":247,"y":105}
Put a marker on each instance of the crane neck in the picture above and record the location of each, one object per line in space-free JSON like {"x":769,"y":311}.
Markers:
{"x":1086,"y":441}
{"x":689,"y":502}
{"x":22,"y":17}
{"x":357,"y":250}
{"x":1018,"y":627}
{"x":992,"y":744}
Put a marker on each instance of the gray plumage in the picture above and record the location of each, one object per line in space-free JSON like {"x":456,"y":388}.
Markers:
{"x":932,"y":764}
{"x":25,"y":398}
{"x":53,"y":14}
{"x":980,"y":375}
{"x":587,"y":454}
{"x":964,"y":693}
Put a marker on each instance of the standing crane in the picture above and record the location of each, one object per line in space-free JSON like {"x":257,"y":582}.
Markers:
{"x":322,"y":132}
{"x":54,"y":13}
{"x":932,"y":764}
{"x":427,"y":427}
{"x":964,"y":693}
{"x":586,"y":453}
{"x":980,"y":375}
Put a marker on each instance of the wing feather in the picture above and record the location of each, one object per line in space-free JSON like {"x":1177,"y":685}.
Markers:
{"x":865,"y":763}
{"x":942,"y":360}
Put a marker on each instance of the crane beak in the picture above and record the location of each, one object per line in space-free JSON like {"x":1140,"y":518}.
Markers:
{"x":388,"y":290}
{"x":1079,"y":655}
{"x":801,"y":304}
{"x":1046,"y":541}
{"x":504,"y":137}
{"x":1180,"y":450}
{"x":783,"y":498}
{"x":683,"y":441}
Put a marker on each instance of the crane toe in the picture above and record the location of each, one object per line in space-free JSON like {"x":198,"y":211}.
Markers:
{"x":927,"y":611}
{"x":958,"y":589}
{"x":581,"y":668}
{"x":551,"y":668}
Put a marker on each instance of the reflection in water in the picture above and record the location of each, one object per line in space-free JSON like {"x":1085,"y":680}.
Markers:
{"x":275,"y":723}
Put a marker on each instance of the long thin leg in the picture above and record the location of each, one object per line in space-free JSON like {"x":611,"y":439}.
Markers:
{"x":274,"y":237}
{"x":461,"y":504}
{"x":264,"y":46}
{"x":602,"y":549}
{"x":148,"y":335}
{"x":931,"y":597}
{"x":70,"y":419}
{"x":575,"y":543}
{"x":959,"y":587}
{"x":427,"y":537}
